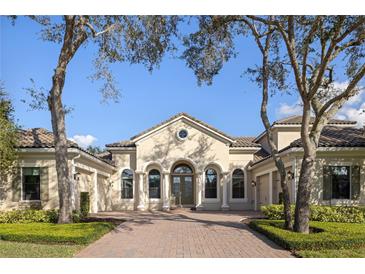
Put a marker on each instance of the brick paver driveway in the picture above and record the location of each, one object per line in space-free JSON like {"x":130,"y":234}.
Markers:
{"x":183,"y":233}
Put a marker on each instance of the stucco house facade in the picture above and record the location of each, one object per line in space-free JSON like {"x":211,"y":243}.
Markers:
{"x":184,"y":162}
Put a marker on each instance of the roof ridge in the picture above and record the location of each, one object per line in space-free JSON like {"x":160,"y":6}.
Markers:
{"x":180,"y":114}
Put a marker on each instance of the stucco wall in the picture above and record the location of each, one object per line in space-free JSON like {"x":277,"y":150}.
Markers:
{"x":12,"y":196}
{"x":317,"y":188}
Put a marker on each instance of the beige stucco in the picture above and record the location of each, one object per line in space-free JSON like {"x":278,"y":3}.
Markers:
{"x":161,"y":149}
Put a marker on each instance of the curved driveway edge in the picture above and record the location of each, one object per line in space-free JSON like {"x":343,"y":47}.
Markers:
{"x":183,"y":234}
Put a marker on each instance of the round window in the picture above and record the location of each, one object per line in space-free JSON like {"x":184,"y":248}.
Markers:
{"x":182,"y":134}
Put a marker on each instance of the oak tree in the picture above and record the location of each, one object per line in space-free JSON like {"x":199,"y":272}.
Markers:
{"x":132,"y":39}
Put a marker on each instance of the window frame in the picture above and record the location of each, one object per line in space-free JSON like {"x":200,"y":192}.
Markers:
{"x":341,"y":201}
{"x":148,"y":185}
{"x":238,"y":200}
{"x":217,"y":199}
{"x":349,"y":165}
{"x":133,"y":183}
{"x":22,"y":184}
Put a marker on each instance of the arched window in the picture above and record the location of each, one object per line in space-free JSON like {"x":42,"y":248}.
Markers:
{"x":182,"y":169}
{"x":127,"y":184}
{"x":211,"y":179}
{"x":154,"y":184}
{"x":238,"y":184}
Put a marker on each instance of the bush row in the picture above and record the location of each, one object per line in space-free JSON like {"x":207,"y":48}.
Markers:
{"x":23,"y":216}
{"x":28,"y":216}
{"x":332,"y":235}
{"x":79,"y":233}
{"x":340,"y":214}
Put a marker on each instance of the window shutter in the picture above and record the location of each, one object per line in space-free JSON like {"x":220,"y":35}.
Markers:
{"x":355,"y":182}
{"x":16,"y":184}
{"x":327,"y":188}
{"x":44,"y":184}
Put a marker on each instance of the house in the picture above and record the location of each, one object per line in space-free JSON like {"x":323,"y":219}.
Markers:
{"x":186,"y":162}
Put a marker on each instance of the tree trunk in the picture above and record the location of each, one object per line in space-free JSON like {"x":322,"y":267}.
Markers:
{"x":58,"y":123}
{"x":302,"y":210}
{"x":273,"y":146}
{"x":59,"y":132}
{"x":286,"y":198}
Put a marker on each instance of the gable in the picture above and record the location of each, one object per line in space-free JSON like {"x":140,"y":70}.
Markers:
{"x":188,"y":120}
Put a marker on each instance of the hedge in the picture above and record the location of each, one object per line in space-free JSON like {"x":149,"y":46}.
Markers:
{"x":84,"y":204}
{"x":28,"y":216}
{"x":80,"y":233}
{"x":328,"y":235}
{"x":342,"y":214}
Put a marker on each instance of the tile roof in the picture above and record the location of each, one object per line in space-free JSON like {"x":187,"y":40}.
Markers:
{"x":42,"y":138}
{"x":123,"y":143}
{"x":338,"y":137}
{"x":331,"y":136}
{"x":182,"y":114}
{"x":297,"y":120}
{"x":245,"y":141}
{"x":38,"y":138}
{"x":260,"y":155}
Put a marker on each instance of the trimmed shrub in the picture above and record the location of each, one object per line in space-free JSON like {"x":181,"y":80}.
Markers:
{"x":325,"y":235}
{"x":28,"y":216}
{"x":81,"y":233}
{"x":84,"y":204}
{"x":340,"y":214}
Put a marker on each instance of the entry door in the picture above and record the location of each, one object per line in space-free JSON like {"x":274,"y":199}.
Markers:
{"x":182,"y":188}
{"x":187,"y":197}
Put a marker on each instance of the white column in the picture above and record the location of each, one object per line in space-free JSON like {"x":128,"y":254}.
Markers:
{"x":199,"y":184}
{"x":270,"y":187}
{"x":166,"y":192}
{"x":294,"y":180}
{"x":141,"y":192}
{"x":95,"y":200}
{"x":255,"y":186}
{"x":73,"y":185}
{"x":225,"y":205}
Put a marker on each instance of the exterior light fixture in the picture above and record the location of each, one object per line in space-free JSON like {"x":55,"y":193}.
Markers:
{"x":290,"y":175}
{"x":77,"y":176}
{"x":253,"y":183}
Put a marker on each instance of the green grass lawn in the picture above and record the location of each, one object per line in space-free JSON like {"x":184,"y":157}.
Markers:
{"x":329,"y":240}
{"x":30,"y":250}
{"x":47,"y":239}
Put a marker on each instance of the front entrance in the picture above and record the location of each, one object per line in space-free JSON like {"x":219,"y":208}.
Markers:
{"x":183,"y":185}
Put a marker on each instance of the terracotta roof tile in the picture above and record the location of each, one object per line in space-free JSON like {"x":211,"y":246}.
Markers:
{"x":331,"y":136}
{"x":42,"y":138}
{"x":338,"y":137}
{"x":297,"y":120}
{"x":38,"y":137}
{"x":245,"y":141}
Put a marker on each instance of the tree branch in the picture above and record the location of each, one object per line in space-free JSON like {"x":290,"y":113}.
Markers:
{"x":333,"y":105}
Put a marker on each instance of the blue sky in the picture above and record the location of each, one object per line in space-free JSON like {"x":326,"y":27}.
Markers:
{"x":231,"y":104}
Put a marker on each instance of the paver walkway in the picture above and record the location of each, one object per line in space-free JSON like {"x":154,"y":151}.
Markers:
{"x":183,"y":233}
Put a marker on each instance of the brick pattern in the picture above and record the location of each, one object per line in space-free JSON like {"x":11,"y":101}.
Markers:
{"x":183,"y":234}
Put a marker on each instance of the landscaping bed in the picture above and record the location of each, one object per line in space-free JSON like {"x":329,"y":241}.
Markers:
{"x":78,"y":233}
{"x":327,"y":238}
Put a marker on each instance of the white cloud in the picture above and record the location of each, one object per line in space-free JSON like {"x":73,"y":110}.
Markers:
{"x":83,"y":140}
{"x":353,"y":113}
{"x":286,"y":110}
{"x":353,"y":109}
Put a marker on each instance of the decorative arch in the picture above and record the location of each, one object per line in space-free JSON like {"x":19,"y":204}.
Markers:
{"x":189,"y":162}
{"x":120,"y":181}
{"x":238,"y":183}
{"x":215,"y":165}
{"x":152,"y":165}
